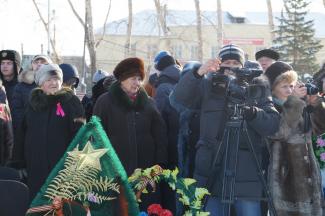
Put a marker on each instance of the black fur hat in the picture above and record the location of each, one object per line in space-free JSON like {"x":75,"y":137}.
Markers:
{"x":12,"y":55}
{"x":267,"y":53}
{"x":129,"y":67}
{"x":276,"y":69}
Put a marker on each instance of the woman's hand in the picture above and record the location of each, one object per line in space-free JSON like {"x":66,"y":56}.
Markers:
{"x":312,"y":100}
{"x":299,"y":90}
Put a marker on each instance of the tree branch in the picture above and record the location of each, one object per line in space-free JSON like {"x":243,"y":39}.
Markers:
{"x":46,"y":25}
{"x":104,"y":27}
{"x":75,"y":13}
{"x":41,"y":17}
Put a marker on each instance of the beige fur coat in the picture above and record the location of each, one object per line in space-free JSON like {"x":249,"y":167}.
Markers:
{"x":294,"y":175}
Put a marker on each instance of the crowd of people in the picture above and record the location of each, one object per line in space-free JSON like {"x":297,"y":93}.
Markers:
{"x":242,"y":129}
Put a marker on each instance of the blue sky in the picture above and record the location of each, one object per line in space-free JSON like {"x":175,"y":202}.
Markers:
{"x":20,"y":23}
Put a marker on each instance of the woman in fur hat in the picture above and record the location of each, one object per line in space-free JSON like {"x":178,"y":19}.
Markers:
{"x":132,"y":122}
{"x":52,"y":118}
{"x":294,"y":176}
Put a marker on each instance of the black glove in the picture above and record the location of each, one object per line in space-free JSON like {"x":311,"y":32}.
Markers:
{"x":249,"y":112}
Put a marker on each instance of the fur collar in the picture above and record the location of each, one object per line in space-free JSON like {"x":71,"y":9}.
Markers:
{"x":26,"y":77}
{"x":124,"y":100}
{"x":40,"y":101}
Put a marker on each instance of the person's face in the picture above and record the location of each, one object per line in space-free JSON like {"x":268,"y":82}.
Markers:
{"x":283,"y":90}
{"x":231,"y":63}
{"x":7,"y":68}
{"x":70,"y":83}
{"x":52,"y":85}
{"x":131,"y":85}
{"x":265,"y":62}
{"x":38,"y":63}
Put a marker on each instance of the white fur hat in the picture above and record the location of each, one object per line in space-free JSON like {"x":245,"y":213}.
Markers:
{"x":46,"y":71}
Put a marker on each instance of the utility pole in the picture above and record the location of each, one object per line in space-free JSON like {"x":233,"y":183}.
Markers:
{"x":49,"y":29}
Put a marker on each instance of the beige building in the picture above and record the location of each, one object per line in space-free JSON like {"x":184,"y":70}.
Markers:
{"x":249,"y":31}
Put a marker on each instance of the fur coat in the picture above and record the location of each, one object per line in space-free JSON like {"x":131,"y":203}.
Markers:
{"x":294,"y":175}
{"x":318,"y":116}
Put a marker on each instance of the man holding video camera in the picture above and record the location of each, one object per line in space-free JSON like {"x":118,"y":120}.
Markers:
{"x":199,"y":87}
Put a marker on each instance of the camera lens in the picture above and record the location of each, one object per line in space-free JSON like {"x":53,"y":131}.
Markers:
{"x":311,"y":89}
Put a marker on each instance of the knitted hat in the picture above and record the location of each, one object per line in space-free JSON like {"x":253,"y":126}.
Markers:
{"x":12,"y":55}
{"x":45,"y":57}
{"x":233,"y":52}
{"x":46,"y":71}
{"x":276,"y":69}
{"x":129,"y":67}
{"x":100,"y":74}
{"x":267,"y":53}
{"x":164,"y":62}
{"x":160,"y":55}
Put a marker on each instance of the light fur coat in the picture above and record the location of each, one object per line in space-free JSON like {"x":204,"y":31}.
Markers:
{"x":294,"y":175}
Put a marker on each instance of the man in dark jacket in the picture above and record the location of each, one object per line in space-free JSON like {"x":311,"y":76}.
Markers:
{"x":10,"y":67}
{"x":261,"y":117}
{"x":168,"y":76}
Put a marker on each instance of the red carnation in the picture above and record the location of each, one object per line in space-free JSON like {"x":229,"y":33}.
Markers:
{"x":154,"y":209}
{"x":166,"y":212}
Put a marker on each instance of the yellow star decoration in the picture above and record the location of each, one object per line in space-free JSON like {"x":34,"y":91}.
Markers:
{"x":88,"y":156}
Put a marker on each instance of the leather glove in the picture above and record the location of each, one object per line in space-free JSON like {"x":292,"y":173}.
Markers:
{"x":249,"y":112}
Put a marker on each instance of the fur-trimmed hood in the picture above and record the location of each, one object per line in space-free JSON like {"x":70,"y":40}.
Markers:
{"x":40,"y":101}
{"x":26,"y":77}
{"x":125,"y":101}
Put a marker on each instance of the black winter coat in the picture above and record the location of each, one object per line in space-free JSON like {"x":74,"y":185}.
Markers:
{"x":166,"y":81}
{"x":191,"y":90}
{"x":46,"y":133}
{"x":20,"y":97}
{"x":188,"y":136}
{"x":6,"y":134}
{"x":10,"y":86}
{"x":135,"y":129}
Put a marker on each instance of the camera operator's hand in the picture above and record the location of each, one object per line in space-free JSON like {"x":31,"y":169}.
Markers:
{"x":299,"y":90}
{"x":249,"y":112}
{"x":313,"y":99}
{"x":211,"y":65}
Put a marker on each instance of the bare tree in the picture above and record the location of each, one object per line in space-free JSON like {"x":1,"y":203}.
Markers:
{"x":55,"y":56}
{"x":87,"y":24}
{"x":129,"y":30}
{"x":270,"y":16}
{"x":220,"y":24}
{"x":199,"y":29}
{"x":161,"y":14}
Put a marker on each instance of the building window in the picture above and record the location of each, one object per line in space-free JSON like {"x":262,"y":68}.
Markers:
{"x":194,"y":52}
{"x":177,"y":51}
{"x":214,"y":52}
{"x":152,"y":50}
{"x":133,"y":49}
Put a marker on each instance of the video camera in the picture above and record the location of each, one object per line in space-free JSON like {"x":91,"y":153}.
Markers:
{"x":239,"y":87}
{"x":312,"y":89}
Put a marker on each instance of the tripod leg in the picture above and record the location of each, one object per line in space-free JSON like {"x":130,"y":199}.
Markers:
{"x":230,"y":170}
{"x":260,"y":171}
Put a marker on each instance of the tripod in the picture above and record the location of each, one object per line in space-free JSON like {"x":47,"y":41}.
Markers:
{"x":235,"y":128}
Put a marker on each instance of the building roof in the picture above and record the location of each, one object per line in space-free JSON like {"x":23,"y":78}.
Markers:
{"x":145,"y":23}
